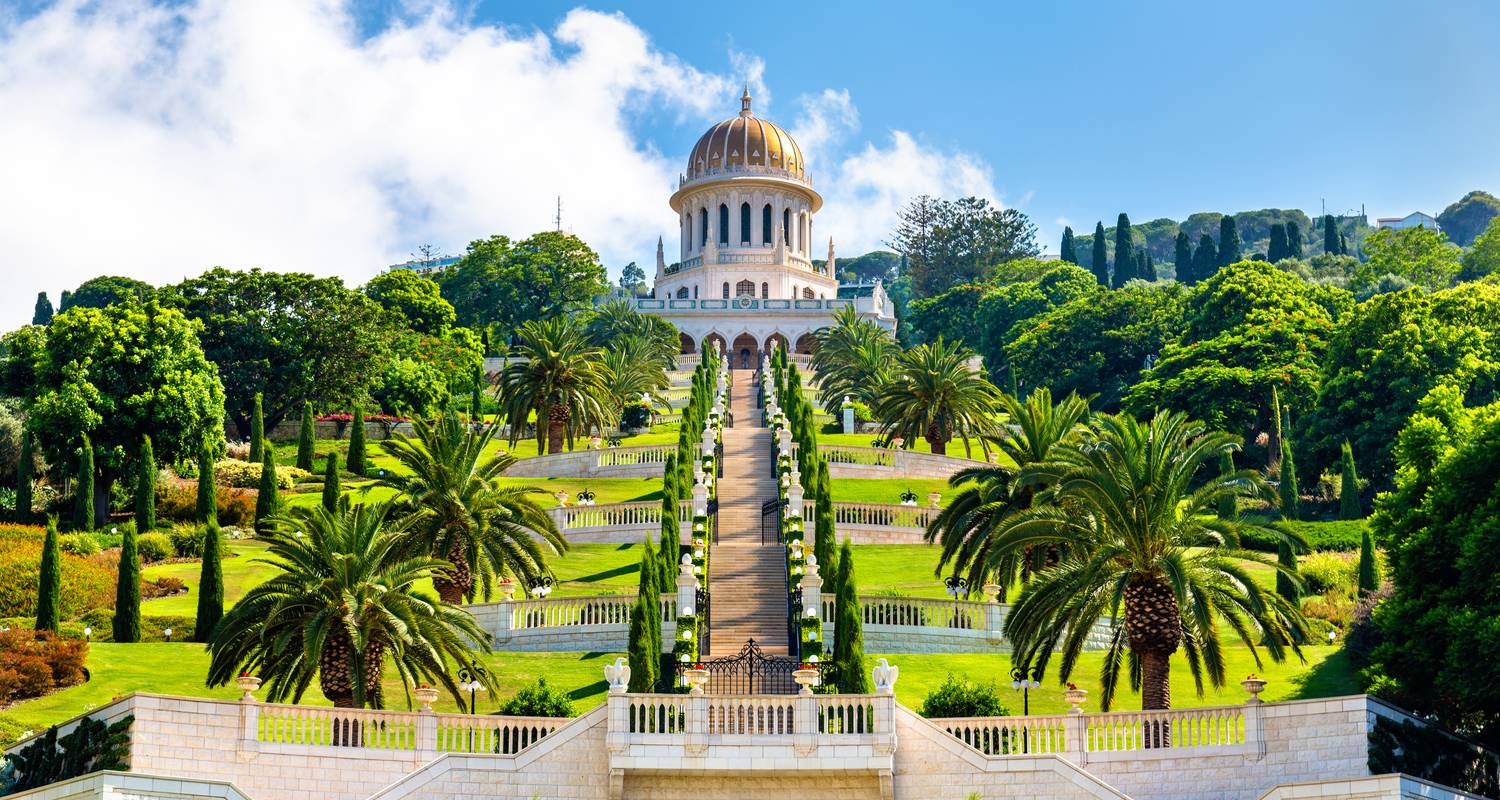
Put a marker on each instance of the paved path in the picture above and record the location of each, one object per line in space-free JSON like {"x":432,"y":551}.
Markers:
{"x":747,"y":580}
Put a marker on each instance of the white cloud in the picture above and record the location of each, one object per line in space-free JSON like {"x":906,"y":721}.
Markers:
{"x":156,"y":139}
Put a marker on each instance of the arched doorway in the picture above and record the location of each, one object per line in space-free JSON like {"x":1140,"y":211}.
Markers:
{"x":774,"y":341}
{"x":686,"y":344}
{"x":746,"y":352}
{"x":807,"y":344}
{"x":714,"y":339}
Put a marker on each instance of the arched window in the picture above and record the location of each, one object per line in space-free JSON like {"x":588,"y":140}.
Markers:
{"x":794,"y":291}
{"x":695,"y":291}
{"x":745,"y":224}
{"x":744,"y":289}
{"x":765,"y":288}
{"x":807,"y":294}
{"x":786,"y":226}
{"x":765,"y":224}
{"x":682,"y":293}
{"x":726,"y":290}
{"x":723,"y":224}
{"x":702,"y":227}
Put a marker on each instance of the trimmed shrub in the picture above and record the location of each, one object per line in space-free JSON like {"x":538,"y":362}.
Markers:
{"x":33,"y":663}
{"x":539,"y":700}
{"x":165,"y":586}
{"x":180,"y":504}
{"x":305,"y":439}
{"x":958,"y":696}
{"x":49,"y":584}
{"x":210,"y":584}
{"x":1328,"y":572}
{"x":1342,"y":536}
{"x":154,"y":547}
{"x":187,"y":540}
{"x":153,"y":628}
{"x":244,"y":475}
{"x":86,"y":584}
{"x":80,"y":544}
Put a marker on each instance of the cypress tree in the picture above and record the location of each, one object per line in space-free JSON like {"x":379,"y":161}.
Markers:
{"x":306,"y":439}
{"x":1010,"y":380}
{"x":357,"y":442}
{"x":1290,"y":504}
{"x":1206,"y":259}
{"x":825,"y":534}
{"x":42,"y":313}
{"x":1184,"y":263}
{"x":257,"y":427}
{"x":1100,"y":264}
{"x":1148,"y":265}
{"x":1330,"y":235}
{"x":127,"y":620}
{"x":1277,"y":249}
{"x":23,"y":478}
{"x":643,"y":662}
{"x":84,"y":490}
{"x":1229,"y":241}
{"x":1273,"y":446}
{"x":1349,"y":507}
{"x":1067,"y":252}
{"x":848,"y":633}
{"x":1228,"y":508}
{"x":1286,"y":557}
{"x":1124,"y":252}
{"x":1293,"y":239}
{"x":145,"y":488}
{"x":476,"y":402}
{"x":331,"y":487}
{"x":65,"y":301}
{"x":1343,"y":244}
{"x":49,"y":587}
{"x":210,"y":584}
{"x":266,"y":501}
{"x":671,"y":532}
{"x":208,"y":508}
{"x":1369,"y":574}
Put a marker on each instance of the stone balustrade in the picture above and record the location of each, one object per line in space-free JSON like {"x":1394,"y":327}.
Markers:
{"x":617,"y":523}
{"x":883,"y":523}
{"x":313,"y":726}
{"x":641,"y":461}
{"x":1220,"y":730}
{"x":933,"y":625}
{"x":572,"y":624}
{"x":848,"y":461}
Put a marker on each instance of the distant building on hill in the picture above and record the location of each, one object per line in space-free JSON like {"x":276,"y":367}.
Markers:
{"x":1415,"y":219}
{"x":426,"y":266}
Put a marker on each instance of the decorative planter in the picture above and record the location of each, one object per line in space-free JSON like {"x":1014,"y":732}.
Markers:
{"x":991,"y":591}
{"x":1076,"y":698}
{"x":247,"y":684}
{"x":696,"y":678}
{"x":806,"y":677}
{"x":426,"y":695}
{"x":933,"y":498}
{"x":1254,"y":686}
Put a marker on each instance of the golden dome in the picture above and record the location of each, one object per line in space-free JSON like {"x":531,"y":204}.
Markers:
{"x":745,"y":142}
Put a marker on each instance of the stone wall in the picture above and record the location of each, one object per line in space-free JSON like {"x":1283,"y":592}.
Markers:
{"x":132,"y":786}
{"x":1375,"y":787}
{"x":669,"y":786}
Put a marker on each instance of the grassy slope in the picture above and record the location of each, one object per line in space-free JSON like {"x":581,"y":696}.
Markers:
{"x":887,"y":490}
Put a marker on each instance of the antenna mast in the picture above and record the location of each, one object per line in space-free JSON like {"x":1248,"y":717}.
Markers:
{"x":558,"y":218}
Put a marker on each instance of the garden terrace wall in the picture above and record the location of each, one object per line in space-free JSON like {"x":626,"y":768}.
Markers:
{"x":931,"y":625}
{"x":879,"y":462}
{"x":618,"y":523}
{"x":645,"y":461}
{"x":588,"y":624}
{"x":133,"y":786}
{"x":882,"y":523}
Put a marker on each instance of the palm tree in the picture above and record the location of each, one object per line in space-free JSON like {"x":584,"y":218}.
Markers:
{"x":934,"y":393}
{"x":1134,"y":504}
{"x":632,"y":371}
{"x":561,"y":380}
{"x":988,"y":496}
{"x":344,"y":602}
{"x":853,"y":358}
{"x":454,"y":507}
{"x":618,"y":319}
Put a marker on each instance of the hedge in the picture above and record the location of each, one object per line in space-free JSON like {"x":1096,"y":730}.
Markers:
{"x":86,"y":584}
{"x":1341,"y":536}
{"x":246,"y":475}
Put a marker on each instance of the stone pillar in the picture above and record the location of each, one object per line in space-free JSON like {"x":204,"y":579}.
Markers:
{"x":812,"y":586}
{"x":848,"y":415}
{"x":426,"y":735}
{"x":1075,"y":734}
{"x":805,"y":724}
{"x":700,"y":499}
{"x":687,"y":586}
{"x":618,"y":713}
{"x":994,"y":622}
{"x":1255,"y":732}
{"x":249,"y":723}
{"x":695,"y":711}
{"x":794,"y":496}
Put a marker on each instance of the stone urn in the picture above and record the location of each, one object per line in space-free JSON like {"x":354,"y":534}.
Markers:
{"x":507,"y":589}
{"x":1076,"y":698}
{"x":426,"y":695}
{"x":1254,"y":686}
{"x":697,"y":678}
{"x":933,"y":498}
{"x":247,"y":684}
{"x":991,"y":592}
{"x":806,"y":677}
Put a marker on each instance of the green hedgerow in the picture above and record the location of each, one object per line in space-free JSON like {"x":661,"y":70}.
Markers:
{"x":539,"y":700}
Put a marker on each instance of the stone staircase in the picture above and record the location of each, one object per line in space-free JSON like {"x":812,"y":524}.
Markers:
{"x":747,"y":580}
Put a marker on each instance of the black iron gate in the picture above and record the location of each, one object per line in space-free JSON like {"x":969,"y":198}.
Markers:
{"x":750,"y":672}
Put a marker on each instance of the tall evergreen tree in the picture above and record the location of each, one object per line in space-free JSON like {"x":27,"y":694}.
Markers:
{"x":1330,"y":235}
{"x":356,"y":463}
{"x":49,"y":586}
{"x":331,"y":488}
{"x":1290,"y":505}
{"x":1368,"y":574}
{"x":1067,"y":252}
{"x":64,"y":301}
{"x":1343,"y":244}
{"x":1184,"y":263}
{"x":643,"y":662}
{"x":257,"y":427}
{"x":267,"y":500}
{"x":1100,"y":265}
{"x":83,"y":490}
{"x":476,"y":399}
{"x":848,"y":632}
{"x":1229,"y":241}
{"x":208,"y":507}
{"x":145,"y":488}
{"x":1349,"y":505}
{"x":1228,"y":504}
{"x":1293,"y":239}
{"x":1290,"y":502}
{"x":671,"y":531}
{"x":1206,"y":259}
{"x":1124,"y":252}
{"x":42,"y":313}
{"x":24,"y":467}
{"x":1148,"y":265}
{"x":1277,"y":249}
{"x":306,"y":439}
{"x":127,"y":620}
{"x":210,"y":584}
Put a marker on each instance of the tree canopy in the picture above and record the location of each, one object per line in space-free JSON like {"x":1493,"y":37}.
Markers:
{"x":1465,"y":219}
{"x":950,"y":242}
{"x":414,"y":299}
{"x":106,"y":290}
{"x":506,"y":284}
{"x":1421,"y":255}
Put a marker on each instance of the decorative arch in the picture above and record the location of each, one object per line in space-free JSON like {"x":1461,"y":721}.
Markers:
{"x":745,"y":354}
{"x":685,"y":344}
{"x":774,"y":341}
{"x":786,"y":226}
{"x":723,"y":224}
{"x":807,"y":344}
{"x":712,"y":339}
{"x":745,"y":288}
{"x":702,"y":227}
{"x":745,"y":224}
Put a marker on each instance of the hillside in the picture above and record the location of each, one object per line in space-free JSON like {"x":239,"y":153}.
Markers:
{"x":1160,"y":235}
{"x":1465,"y":220}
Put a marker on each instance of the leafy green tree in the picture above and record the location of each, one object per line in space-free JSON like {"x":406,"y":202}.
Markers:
{"x":1331,"y":237}
{"x":49,"y":585}
{"x":331,"y":490}
{"x":42,"y":313}
{"x":644,"y":648}
{"x":558,"y":377}
{"x":1278,"y":249}
{"x":1145,"y":546}
{"x":1184,"y":262}
{"x":854,"y":357}
{"x":1124,"y":252}
{"x":848,"y":630}
{"x":83,"y":490}
{"x":1066,"y":251}
{"x":105,"y":291}
{"x":411,"y":387}
{"x":1100,"y":262}
{"x":1466,"y":219}
{"x":1421,"y":255}
{"x":306,"y":438}
{"x":413,"y":300}
{"x":1293,"y":239}
{"x":1206,"y":259}
{"x":507,"y":284}
{"x":126,"y":625}
{"x":632,"y":278}
{"x":292,"y":337}
{"x":210,"y":584}
{"x":257,"y":427}
{"x":1349,"y":506}
{"x":25,"y":467}
{"x":935,"y":394}
{"x":346,"y":598}
{"x":357,"y":441}
{"x":267,"y":501}
{"x":454,"y":507}
{"x":1229,"y":241}
{"x":145,"y":488}
{"x":948,"y":243}
{"x":1483,"y":259}
{"x":208,"y":508}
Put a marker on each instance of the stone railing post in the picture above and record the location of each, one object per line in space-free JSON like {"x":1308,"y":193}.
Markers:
{"x":994,"y":622}
{"x":695,"y":712}
{"x":427,"y":727}
{"x":1076,"y":735}
{"x":812,"y":586}
{"x":618,"y":702}
{"x":700,"y":499}
{"x":805,"y":724}
{"x":1255,"y":731}
{"x":249,"y":719}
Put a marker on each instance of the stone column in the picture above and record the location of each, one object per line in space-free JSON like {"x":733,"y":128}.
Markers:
{"x":812,"y":586}
{"x":618,"y":713}
{"x":426,"y":735}
{"x":695,"y":711}
{"x":848,"y":415}
{"x":700,"y":499}
{"x":805,"y":724}
{"x":249,"y":722}
{"x":994,"y":622}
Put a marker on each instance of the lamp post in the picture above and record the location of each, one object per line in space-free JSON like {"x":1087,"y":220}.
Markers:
{"x":956,"y":586}
{"x":1025,"y":679}
{"x":168,"y":632}
{"x":469,"y":681}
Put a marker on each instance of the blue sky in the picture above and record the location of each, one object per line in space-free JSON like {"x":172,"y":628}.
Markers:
{"x":175,"y":135}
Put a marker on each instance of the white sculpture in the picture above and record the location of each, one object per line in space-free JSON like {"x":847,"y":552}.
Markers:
{"x":618,"y":675}
{"x":885,"y":677}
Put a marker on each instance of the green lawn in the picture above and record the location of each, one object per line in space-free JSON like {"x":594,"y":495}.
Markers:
{"x":606,"y":490}
{"x":888,"y":490}
{"x":286,"y":452}
{"x":1326,"y":673}
{"x":241,"y":572}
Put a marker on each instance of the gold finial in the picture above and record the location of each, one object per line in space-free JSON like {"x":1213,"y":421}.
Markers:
{"x":745,"y":102}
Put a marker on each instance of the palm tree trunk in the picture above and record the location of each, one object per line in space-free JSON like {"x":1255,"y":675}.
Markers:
{"x":935,"y":440}
{"x":557,"y":422}
{"x":453,"y":585}
{"x":336,"y":669}
{"x":1156,"y":680}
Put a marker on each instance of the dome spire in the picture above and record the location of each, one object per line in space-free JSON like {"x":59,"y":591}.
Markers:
{"x":745,"y":102}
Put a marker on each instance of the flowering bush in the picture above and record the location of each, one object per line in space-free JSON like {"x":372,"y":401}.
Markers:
{"x":246,"y":475}
{"x":33,"y":663}
{"x":154,"y":547}
{"x":87,"y":584}
{"x":180,"y":503}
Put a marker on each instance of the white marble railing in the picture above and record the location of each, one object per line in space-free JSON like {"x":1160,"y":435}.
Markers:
{"x":847,"y":461}
{"x":884,"y":515}
{"x":922,"y":612}
{"x":621,"y":462}
{"x":638,"y":515}
{"x":595,"y":623}
{"x":278,"y":724}
{"x":1191,"y":731}
{"x":933,"y":625}
{"x":756,"y":715}
{"x":644,"y":454}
